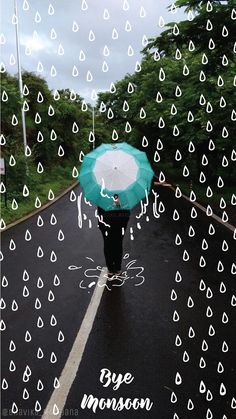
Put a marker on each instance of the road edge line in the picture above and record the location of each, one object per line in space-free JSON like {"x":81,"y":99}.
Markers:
{"x":48,"y":204}
{"x":59,"y":395}
{"x":43,"y":207}
{"x":201,"y":207}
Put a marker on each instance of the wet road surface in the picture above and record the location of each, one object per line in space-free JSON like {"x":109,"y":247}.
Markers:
{"x":175,"y":333}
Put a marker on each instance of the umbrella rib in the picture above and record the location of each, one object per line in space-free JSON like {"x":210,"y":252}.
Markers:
{"x":124,"y":160}
{"x":112,"y":180}
{"x":122,"y":171}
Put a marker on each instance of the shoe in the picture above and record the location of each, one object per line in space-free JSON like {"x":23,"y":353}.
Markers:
{"x":115,"y":280}
{"x":117,"y":274}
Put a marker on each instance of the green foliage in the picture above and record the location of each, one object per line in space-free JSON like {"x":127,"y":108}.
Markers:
{"x":185,"y":84}
{"x":52,"y":120}
{"x":10,"y":102}
{"x":56,"y":179}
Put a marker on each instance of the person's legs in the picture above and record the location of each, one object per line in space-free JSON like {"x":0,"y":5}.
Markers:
{"x":113,"y":249}
{"x":113,"y":242}
{"x":118,"y":239}
{"x":109,"y":250}
{"x":118,"y":249}
{"x":107,"y":246}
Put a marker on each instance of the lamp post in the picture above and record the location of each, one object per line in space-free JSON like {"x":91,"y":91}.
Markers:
{"x":20,"y":75}
{"x":93,"y":115}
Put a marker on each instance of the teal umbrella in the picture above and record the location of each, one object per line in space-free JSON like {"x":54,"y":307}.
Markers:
{"x":115,"y":176}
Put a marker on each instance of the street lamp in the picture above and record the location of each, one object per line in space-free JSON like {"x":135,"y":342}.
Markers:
{"x":20,"y":75}
{"x":93,"y":113}
{"x":92,"y":133}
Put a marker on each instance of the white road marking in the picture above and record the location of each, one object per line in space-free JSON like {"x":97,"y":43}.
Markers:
{"x":227,"y":225}
{"x":59,"y":396}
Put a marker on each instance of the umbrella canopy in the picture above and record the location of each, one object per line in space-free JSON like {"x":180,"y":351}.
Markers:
{"x":115,"y":169}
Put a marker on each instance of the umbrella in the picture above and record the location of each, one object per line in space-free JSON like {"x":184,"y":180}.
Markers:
{"x":115,"y":176}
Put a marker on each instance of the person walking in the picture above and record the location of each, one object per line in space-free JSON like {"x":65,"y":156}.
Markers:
{"x":112,"y":225}
{"x":104,"y":171}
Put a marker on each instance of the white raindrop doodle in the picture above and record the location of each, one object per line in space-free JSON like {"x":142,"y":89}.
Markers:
{"x":213,"y":294}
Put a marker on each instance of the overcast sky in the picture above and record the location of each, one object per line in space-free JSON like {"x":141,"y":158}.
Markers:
{"x":84,"y":45}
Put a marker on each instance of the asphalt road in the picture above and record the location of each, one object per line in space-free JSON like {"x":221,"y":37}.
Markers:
{"x":173,"y":333}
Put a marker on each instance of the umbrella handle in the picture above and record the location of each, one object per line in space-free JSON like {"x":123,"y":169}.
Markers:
{"x":116,"y":201}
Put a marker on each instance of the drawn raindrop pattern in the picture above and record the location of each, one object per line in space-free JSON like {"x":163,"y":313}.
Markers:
{"x":204,"y":290}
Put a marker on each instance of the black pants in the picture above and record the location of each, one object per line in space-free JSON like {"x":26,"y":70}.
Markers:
{"x":113,"y":242}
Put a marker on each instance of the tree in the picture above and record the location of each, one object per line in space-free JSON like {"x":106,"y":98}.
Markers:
{"x":184,"y":88}
{"x":58,"y":128}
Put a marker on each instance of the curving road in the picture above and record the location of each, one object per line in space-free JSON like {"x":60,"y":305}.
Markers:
{"x":175,"y":333}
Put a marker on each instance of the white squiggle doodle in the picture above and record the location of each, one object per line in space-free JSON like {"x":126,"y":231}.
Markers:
{"x":89,"y":258}
{"x":130,"y":266}
{"x":117,"y":280}
{"x":92,"y":271}
{"x":102,"y":189}
{"x":123,"y":277}
{"x":155,"y":213}
{"x":143,"y":206}
{"x":100,"y":219}
{"x":141,"y":213}
{"x":147,"y":201}
{"x":87,"y":202}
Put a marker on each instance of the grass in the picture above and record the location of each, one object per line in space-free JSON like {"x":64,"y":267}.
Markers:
{"x":200,"y":192}
{"x":57,"y":180}
{"x":175,"y":177}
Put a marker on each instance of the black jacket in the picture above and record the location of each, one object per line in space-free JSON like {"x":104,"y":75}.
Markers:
{"x":114,"y":216}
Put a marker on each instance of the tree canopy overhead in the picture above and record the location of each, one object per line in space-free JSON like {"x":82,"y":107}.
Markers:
{"x":181,"y":95}
{"x":180,"y":101}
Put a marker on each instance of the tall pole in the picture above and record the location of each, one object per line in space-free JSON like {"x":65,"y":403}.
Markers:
{"x":93,"y":128}
{"x":20,"y":75}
